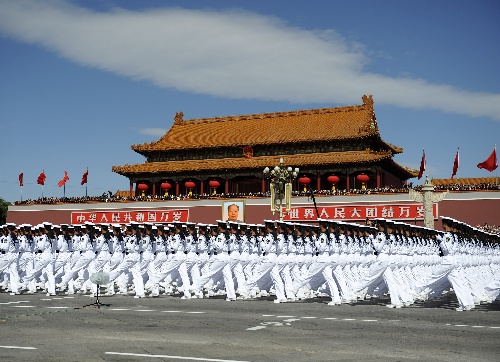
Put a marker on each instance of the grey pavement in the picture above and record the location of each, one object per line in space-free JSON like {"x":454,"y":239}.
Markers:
{"x":41,"y":328}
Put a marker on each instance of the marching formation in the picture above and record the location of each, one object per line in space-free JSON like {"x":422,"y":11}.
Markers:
{"x":348,"y":262}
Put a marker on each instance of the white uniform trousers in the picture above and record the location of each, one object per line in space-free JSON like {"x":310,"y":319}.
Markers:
{"x":25,"y":267}
{"x":8,"y":265}
{"x":81,"y":263}
{"x":220,"y":262}
{"x":261,"y":276}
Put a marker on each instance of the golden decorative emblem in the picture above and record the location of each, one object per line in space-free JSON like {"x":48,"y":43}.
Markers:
{"x":248,"y":152}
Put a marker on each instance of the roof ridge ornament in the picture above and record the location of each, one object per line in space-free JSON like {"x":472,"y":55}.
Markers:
{"x":178,"y":119}
{"x":368,"y":100}
{"x":372,"y":125}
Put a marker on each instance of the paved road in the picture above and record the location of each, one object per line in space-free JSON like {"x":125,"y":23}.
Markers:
{"x":171,"y":329}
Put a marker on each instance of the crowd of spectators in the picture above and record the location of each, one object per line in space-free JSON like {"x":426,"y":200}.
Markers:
{"x":381,"y":190}
{"x":105,"y":197}
{"x":109,"y":197}
{"x":494,"y":229}
{"x":468,"y":187}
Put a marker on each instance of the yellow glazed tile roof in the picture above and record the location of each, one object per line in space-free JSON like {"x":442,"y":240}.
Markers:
{"x":323,"y":124}
{"x":297,"y":160}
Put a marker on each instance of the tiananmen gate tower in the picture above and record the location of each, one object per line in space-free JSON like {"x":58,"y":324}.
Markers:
{"x":228,"y":154}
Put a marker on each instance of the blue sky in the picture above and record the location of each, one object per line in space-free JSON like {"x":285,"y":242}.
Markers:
{"x":81,"y":81}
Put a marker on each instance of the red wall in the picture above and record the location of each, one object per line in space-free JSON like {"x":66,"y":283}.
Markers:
{"x":473,"y":212}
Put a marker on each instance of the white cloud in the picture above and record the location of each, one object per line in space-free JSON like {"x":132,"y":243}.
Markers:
{"x":232,"y":54}
{"x":156,"y":132}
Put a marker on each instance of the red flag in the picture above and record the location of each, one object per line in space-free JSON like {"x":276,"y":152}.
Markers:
{"x":455,"y":165}
{"x":84,"y":177}
{"x":21,"y":177}
{"x":491,"y":162}
{"x":41,"y":178}
{"x":65,"y":178}
{"x":422,"y":166}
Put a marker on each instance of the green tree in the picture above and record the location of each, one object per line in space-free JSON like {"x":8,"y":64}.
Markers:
{"x":4,"y":206}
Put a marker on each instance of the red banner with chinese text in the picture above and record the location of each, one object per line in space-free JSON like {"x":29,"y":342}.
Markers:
{"x":128,"y":216}
{"x":360,"y":212}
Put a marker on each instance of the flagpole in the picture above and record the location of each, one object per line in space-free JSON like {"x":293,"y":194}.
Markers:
{"x":425,"y":161}
{"x":86,"y":183}
{"x":22,"y":184}
{"x":64,"y":190}
{"x":496,"y":173}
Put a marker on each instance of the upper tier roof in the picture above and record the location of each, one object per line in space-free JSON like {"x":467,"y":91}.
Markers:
{"x":324,"y":124}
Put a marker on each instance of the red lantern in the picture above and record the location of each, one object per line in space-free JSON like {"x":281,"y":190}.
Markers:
{"x":142,"y":188}
{"x":363,"y":179}
{"x":190,"y":185}
{"x":333,"y":180}
{"x":304,"y":180}
{"x":166,"y":186}
{"x":214,"y":184}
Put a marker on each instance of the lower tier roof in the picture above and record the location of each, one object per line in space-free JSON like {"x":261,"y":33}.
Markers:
{"x":296,"y":160}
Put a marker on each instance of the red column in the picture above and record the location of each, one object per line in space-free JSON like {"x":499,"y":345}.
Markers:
{"x":318,"y":183}
{"x":263,"y":185}
{"x":378,"y":179}
{"x":131,"y":193}
{"x":154,"y":189}
{"x":348,"y":182}
{"x":226,"y":187}
{"x":177,"y":188}
{"x":201,"y":187}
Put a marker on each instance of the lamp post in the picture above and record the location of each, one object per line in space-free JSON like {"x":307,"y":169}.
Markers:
{"x":281,"y":178}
